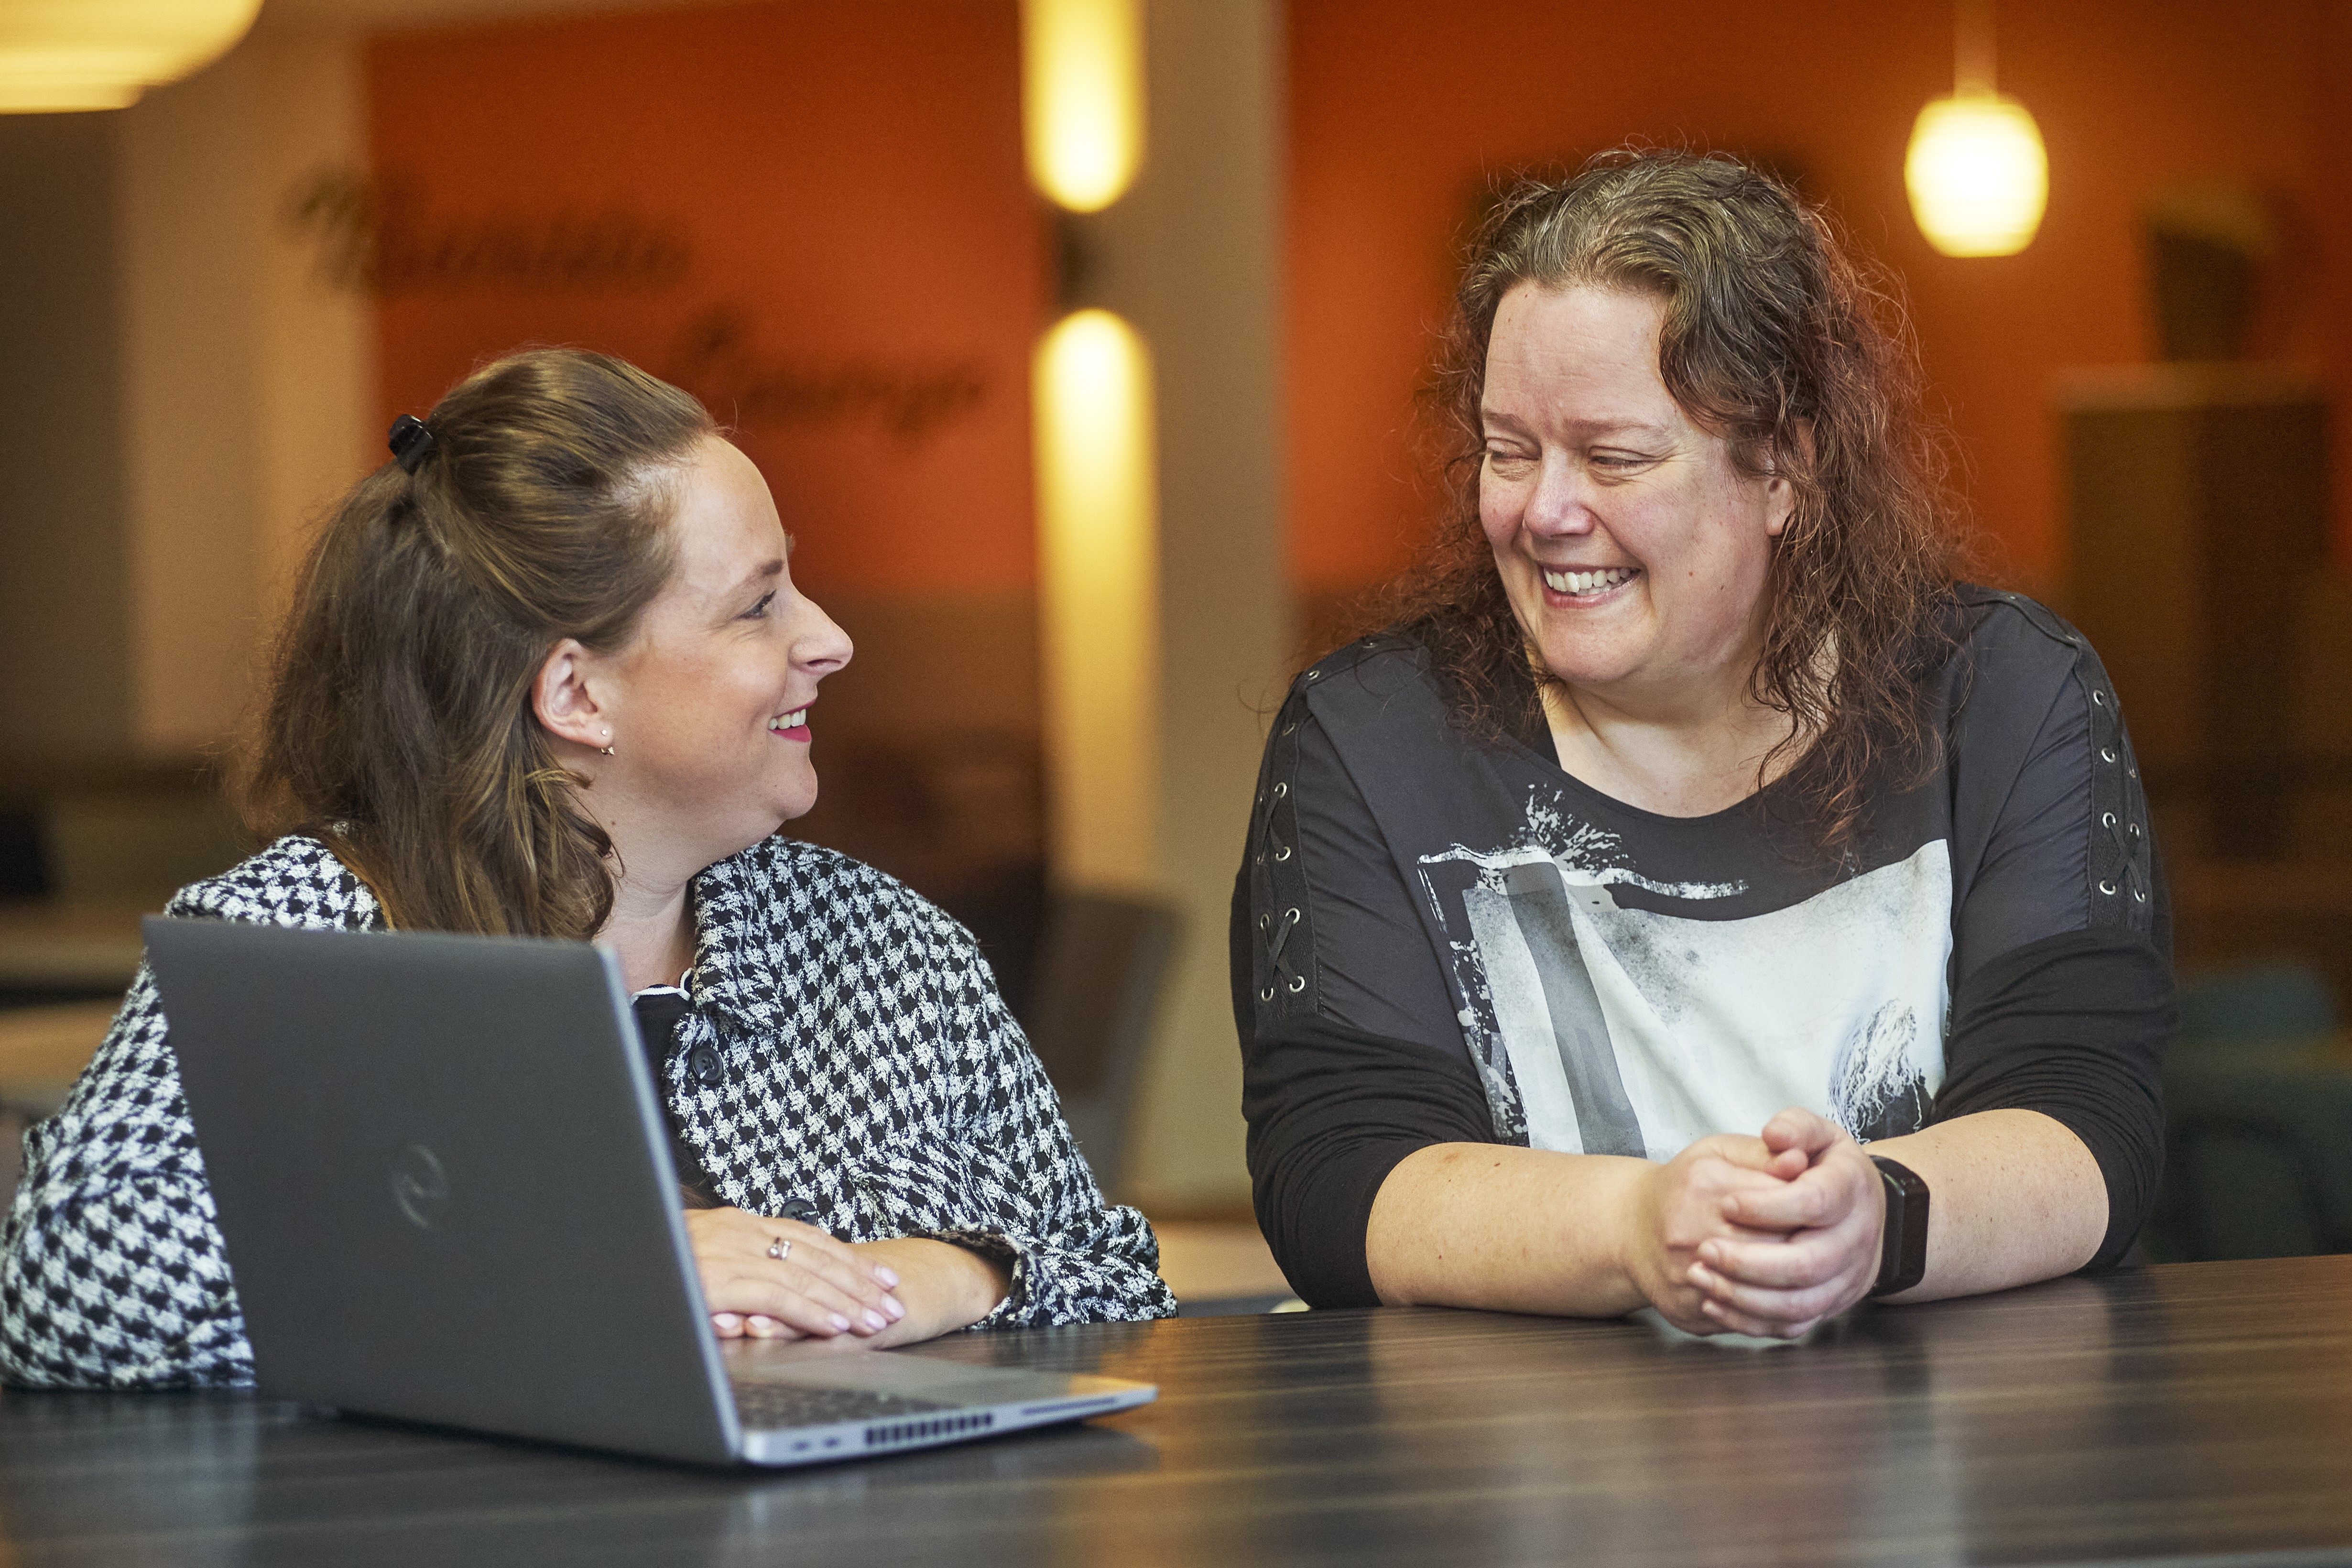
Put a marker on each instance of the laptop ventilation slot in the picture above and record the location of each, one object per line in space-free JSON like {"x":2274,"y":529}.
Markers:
{"x":917,"y":1431}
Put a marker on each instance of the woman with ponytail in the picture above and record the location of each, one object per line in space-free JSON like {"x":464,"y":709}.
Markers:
{"x":546,"y":674}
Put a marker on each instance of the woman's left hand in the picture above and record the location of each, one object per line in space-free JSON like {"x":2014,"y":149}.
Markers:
{"x":1830,"y":1219}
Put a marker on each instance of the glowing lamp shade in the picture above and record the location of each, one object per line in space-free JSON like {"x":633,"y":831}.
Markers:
{"x":1977,"y":177}
{"x":57,"y":55}
{"x":1082,"y":97}
{"x":1099,"y":592}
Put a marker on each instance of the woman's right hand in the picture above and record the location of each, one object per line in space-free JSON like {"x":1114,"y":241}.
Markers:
{"x":1681,"y":1205}
{"x":821,"y":1288}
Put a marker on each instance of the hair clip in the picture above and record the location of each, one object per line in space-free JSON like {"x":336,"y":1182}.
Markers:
{"x":411,"y":443}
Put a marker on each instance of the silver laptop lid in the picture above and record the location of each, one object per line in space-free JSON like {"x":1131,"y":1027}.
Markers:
{"x":442,"y":1178}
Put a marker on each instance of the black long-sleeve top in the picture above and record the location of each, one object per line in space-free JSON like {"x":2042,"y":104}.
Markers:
{"x":1436,"y":940}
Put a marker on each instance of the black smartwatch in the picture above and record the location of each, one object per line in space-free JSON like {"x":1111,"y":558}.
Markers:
{"x":1902,"y":1257}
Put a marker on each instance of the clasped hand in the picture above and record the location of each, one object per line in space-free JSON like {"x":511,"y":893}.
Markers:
{"x":1765,"y":1235}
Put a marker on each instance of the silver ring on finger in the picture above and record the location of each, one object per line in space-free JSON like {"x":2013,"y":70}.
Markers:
{"x":779,"y":1248}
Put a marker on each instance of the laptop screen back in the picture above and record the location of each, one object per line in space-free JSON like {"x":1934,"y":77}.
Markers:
{"x":442,"y":1181}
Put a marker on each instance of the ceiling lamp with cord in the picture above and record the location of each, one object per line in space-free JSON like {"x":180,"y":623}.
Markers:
{"x":1976,"y":173}
{"x":62,"y":55}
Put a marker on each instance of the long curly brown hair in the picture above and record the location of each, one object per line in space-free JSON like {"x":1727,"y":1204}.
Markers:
{"x":1778,"y":339}
{"x":400,"y":727}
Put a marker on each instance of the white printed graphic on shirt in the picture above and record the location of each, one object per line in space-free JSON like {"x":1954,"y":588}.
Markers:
{"x":1628,"y":1031}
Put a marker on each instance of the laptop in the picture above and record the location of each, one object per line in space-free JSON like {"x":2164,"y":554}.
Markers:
{"x":446,"y":1192}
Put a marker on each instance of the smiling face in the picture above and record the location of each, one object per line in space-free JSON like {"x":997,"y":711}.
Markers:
{"x":1633,"y":551}
{"x":708,"y":701}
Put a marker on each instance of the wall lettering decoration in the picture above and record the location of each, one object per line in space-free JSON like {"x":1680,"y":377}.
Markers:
{"x":813,"y":217}
{"x":910,"y":399}
{"x":380,"y":237}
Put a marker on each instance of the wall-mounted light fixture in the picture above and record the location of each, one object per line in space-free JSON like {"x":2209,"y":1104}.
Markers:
{"x":1082,"y":98}
{"x":1976,"y":173}
{"x":1098,"y":598}
{"x":1098,"y":480}
{"x":61,"y":55}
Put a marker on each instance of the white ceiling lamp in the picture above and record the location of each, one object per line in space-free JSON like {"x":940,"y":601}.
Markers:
{"x":61,"y":55}
{"x":1976,"y":173}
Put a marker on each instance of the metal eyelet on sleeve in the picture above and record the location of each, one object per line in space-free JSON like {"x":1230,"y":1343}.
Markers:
{"x":2121,"y":852}
{"x":1283,"y":975}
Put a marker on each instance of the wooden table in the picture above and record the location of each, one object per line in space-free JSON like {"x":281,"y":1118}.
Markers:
{"x":2192,"y":1409}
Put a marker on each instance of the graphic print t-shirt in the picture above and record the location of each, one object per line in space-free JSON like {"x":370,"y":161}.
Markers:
{"x":1616,"y":981}
{"x":1628,"y":983}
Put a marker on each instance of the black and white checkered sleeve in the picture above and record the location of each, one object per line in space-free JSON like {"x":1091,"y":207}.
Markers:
{"x":1020,"y":1189}
{"x":113,"y":1275}
{"x":111,"y":1269}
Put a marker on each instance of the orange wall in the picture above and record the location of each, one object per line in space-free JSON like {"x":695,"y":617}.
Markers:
{"x":1402,"y":110}
{"x":838,"y":186}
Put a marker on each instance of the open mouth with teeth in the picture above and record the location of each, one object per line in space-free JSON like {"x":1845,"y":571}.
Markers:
{"x":1590,"y":584}
{"x":792,"y":726}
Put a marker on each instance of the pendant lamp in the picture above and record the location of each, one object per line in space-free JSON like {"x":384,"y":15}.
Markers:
{"x":1976,"y":173}
{"x":60,"y":55}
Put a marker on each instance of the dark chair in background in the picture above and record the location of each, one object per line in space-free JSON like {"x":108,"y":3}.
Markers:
{"x":2262,"y":1001}
{"x":1094,"y":1003}
{"x":2258,"y":1121}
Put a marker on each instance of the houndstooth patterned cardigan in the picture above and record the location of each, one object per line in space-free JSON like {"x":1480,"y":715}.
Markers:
{"x":871,"y":1068}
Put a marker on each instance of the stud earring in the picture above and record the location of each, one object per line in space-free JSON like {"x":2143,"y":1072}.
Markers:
{"x":606,"y":748}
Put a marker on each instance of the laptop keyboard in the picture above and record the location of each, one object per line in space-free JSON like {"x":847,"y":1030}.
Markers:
{"x":766,"y":1404}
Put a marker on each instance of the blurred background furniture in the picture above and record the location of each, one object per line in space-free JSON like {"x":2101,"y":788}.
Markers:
{"x":1102,"y":968}
{"x":2258,"y":1120}
{"x":86,"y":848}
{"x":1093,"y":1005}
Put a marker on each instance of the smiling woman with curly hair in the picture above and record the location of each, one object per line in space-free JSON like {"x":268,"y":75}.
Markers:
{"x":1688,"y":829}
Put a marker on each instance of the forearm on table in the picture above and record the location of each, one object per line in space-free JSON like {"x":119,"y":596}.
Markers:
{"x":1506,"y":1228}
{"x":945,"y":1286}
{"x":2014,"y":1197}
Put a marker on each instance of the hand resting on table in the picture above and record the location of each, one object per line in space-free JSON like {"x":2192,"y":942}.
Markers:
{"x":891,"y":1292}
{"x":1795,"y":1241}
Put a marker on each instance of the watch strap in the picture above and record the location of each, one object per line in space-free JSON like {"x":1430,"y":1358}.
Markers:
{"x":1903,"y":1254}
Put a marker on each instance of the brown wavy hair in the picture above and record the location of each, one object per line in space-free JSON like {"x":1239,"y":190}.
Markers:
{"x":1778,"y":339}
{"x":399,"y":728}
